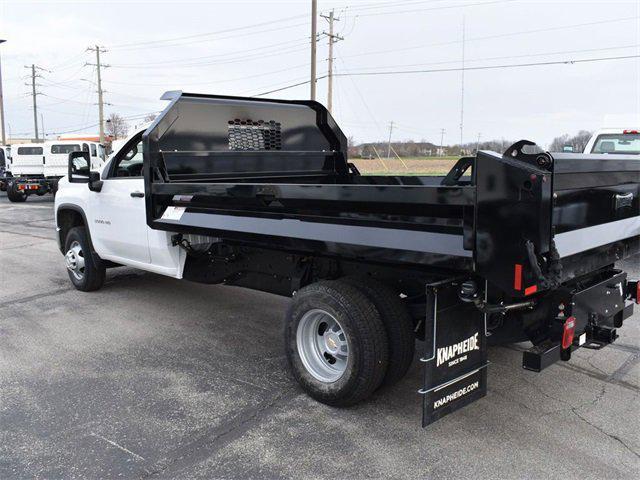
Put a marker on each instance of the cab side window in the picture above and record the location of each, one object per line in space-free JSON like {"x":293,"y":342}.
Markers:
{"x":129,"y":164}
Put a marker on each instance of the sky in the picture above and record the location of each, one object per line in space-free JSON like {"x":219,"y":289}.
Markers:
{"x":252,"y":47}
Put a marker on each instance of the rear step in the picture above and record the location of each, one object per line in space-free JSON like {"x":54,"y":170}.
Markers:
{"x":455,"y":354}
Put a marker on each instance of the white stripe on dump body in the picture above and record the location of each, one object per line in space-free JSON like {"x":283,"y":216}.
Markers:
{"x":412,"y":240}
{"x":576,"y":241}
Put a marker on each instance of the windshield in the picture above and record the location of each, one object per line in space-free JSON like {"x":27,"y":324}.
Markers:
{"x":626,"y":143}
{"x":65,"y":148}
{"x":29,"y":150}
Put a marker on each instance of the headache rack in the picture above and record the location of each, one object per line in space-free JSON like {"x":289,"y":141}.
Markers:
{"x":275,"y":173}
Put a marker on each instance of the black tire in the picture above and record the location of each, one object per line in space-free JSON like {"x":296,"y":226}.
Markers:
{"x":365,"y":334}
{"x":13,"y":194}
{"x":397,"y":322}
{"x":93,"y":275}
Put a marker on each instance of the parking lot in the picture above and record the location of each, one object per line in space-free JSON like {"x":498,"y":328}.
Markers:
{"x":152,"y":376}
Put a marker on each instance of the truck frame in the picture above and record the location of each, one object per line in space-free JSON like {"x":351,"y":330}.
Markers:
{"x":259,"y":193}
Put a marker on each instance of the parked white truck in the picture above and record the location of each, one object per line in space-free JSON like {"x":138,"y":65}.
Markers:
{"x":36,"y":168}
{"x":624,"y":141}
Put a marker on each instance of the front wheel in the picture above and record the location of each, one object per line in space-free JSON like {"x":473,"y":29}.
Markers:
{"x":85,"y":271}
{"x":335,"y":343}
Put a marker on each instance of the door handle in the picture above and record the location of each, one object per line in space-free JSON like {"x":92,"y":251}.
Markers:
{"x":137,"y":194}
{"x":623,"y":200}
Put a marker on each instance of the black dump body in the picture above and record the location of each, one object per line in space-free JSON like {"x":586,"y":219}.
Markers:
{"x":515,"y":246}
{"x":275,"y":173}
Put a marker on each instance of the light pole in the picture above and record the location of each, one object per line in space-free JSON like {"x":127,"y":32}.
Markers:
{"x":4,"y":137}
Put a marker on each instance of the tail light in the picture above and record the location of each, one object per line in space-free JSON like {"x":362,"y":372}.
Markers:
{"x":638,"y":292}
{"x":568,"y":332}
{"x":630,"y":132}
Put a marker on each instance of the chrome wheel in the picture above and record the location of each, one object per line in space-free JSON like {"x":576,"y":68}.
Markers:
{"x":322,"y":345}
{"x":74,"y":260}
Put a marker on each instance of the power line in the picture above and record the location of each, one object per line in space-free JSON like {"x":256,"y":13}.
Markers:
{"x":74,"y":129}
{"x":225,"y":80}
{"x":161,"y":44}
{"x":505,"y":57}
{"x":448,"y":7}
{"x":288,"y":87}
{"x":292,"y":48}
{"x":491,"y":67}
{"x":239,"y":53}
{"x":205,"y":34}
{"x":384,"y":5}
{"x":495,"y":36}
{"x":482,"y":67}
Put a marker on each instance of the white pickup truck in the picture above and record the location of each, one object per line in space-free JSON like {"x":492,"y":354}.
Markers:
{"x":259,"y":193}
{"x":614,"y":141}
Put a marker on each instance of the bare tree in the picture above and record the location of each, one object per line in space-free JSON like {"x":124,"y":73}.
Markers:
{"x":150,"y":118}
{"x":581,"y":139}
{"x":577,"y":142}
{"x":117,"y":126}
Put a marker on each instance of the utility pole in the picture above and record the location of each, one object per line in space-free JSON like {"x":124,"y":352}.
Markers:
{"x":4,"y":136}
{"x":390,"y":132}
{"x":478,"y":143}
{"x":44,"y":135}
{"x":314,"y":34}
{"x":442,"y":132}
{"x":462,"y":85}
{"x":34,"y":94}
{"x":99,"y":67}
{"x":332,"y":39}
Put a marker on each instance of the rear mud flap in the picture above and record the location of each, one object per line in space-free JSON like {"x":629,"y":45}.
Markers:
{"x":455,"y":354}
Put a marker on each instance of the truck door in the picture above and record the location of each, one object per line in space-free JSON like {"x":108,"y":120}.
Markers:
{"x":118,"y":211}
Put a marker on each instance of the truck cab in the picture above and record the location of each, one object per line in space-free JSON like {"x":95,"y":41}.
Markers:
{"x":615,"y":141}
{"x":117,"y":216}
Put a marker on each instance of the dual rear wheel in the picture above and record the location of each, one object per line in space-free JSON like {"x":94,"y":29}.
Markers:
{"x":344,"y":339}
{"x":13,"y":194}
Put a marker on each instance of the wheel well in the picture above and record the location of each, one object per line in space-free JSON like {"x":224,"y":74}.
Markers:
{"x":67,"y":219}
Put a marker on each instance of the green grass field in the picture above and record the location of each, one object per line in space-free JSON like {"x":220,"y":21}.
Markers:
{"x":405,"y":166}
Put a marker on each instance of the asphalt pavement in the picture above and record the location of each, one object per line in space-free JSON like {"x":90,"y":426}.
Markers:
{"x":155,"y":377}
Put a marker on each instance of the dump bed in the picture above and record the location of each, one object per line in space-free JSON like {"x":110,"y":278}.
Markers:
{"x":275,"y":173}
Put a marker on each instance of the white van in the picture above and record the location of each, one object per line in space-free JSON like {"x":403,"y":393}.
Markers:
{"x":57,"y":155}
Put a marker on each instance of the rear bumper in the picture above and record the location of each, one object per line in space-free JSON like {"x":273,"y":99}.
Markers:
{"x":599,"y":308}
{"x":36,"y":185}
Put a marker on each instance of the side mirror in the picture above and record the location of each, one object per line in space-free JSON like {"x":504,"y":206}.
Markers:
{"x":79,"y":167}
{"x":95,"y":184}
